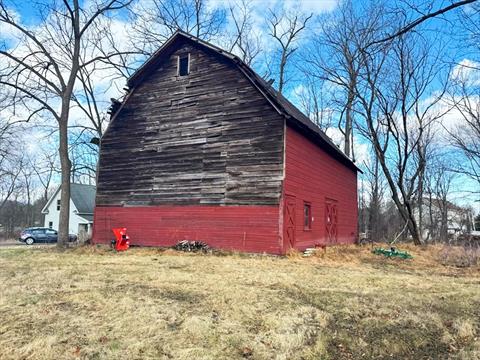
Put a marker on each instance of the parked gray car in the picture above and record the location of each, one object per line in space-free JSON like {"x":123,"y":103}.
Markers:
{"x":41,"y":235}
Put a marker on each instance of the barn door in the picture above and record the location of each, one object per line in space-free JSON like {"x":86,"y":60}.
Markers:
{"x":289,"y":221}
{"x":331,"y":218}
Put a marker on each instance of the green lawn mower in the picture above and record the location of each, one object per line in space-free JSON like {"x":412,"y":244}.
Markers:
{"x":392,"y":252}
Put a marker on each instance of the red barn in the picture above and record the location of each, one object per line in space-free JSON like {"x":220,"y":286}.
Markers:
{"x":202,"y":148}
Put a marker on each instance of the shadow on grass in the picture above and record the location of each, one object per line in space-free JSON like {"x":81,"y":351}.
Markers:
{"x":375,"y":333}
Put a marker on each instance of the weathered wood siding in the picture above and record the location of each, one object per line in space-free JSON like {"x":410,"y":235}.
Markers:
{"x":206,"y":138}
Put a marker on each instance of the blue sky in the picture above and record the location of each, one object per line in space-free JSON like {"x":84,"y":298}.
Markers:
{"x":445,"y":32}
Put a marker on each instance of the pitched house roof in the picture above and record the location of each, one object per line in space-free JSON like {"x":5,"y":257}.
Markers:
{"x":438,"y":203}
{"x":83,"y":196}
{"x":293,"y":115}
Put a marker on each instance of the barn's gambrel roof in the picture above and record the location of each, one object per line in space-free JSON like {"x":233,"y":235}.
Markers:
{"x":293,"y":115}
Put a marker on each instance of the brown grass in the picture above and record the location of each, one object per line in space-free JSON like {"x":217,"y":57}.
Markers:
{"x":342,"y":303}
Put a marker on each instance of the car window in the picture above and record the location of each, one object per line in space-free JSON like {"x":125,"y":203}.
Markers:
{"x":51,"y":232}
{"x":38,"y":231}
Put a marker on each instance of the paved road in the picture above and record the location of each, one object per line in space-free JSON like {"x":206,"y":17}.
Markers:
{"x":13,"y":243}
{"x":10,"y":243}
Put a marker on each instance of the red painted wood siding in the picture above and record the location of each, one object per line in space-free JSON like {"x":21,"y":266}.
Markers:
{"x":312,"y":175}
{"x":244,"y":228}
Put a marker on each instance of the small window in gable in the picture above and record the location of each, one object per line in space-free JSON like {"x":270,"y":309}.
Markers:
{"x":307,"y":216}
{"x":58,"y":204}
{"x":183,"y":65}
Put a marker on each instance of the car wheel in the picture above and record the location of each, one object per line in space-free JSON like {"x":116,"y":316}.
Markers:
{"x":29,"y":241}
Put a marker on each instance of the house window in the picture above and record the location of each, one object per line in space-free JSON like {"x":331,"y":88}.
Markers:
{"x":183,"y":65}
{"x":50,"y":224}
{"x":58,"y":204}
{"x":307,"y":216}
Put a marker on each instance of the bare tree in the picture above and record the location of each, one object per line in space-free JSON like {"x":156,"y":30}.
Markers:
{"x":116,"y":63}
{"x":5,"y":142}
{"x":28,"y":184}
{"x":352,"y":29}
{"x":9,"y":178}
{"x":425,"y":16}
{"x":42,"y":68}
{"x":285,"y":28}
{"x":465,"y":137}
{"x":156,"y":21}
{"x":464,"y":96}
{"x":311,"y":95}
{"x":244,"y":41}
{"x":18,"y":192}
{"x":376,"y":192}
{"x":438,"y":188}
{"x":398,"y":107}
{"x":44,"y":166}
{"x":10,"y":159}
{"x":8,"y":127}
{"x":84,"y":154}
{"x":334,"y":56}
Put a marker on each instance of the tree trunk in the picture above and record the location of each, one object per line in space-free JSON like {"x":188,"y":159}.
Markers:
{"x":283,"y":62}
{"x":413,"y":229}
{"x":63,"y":228}
{"x":45,"y":200}
{"x":97,"y":165}
{"x":405,"y":208}
{"x":420,"y":206}
{"x":412,"y":225}
{"x":444,"y":220}
{"x":66,"y":164}
{"x":375,"y":205}
{"x":432,"y":227}
{"x":348,"y":115}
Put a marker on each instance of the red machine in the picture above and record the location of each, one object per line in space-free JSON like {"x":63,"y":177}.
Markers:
{"x":122,"y":242}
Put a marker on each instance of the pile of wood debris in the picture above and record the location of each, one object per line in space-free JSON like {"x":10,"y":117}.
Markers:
{"x":191,"y":246}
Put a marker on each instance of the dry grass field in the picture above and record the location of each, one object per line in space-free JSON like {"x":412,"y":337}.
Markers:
{"x":344,"y":303}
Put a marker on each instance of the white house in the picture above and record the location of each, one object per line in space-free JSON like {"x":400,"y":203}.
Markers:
{"x":459,"y":219}
{"x":82,"y":203}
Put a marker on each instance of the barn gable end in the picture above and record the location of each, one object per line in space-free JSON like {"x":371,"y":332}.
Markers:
{"x":218,"y":155}
{"x":206,"y":138}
